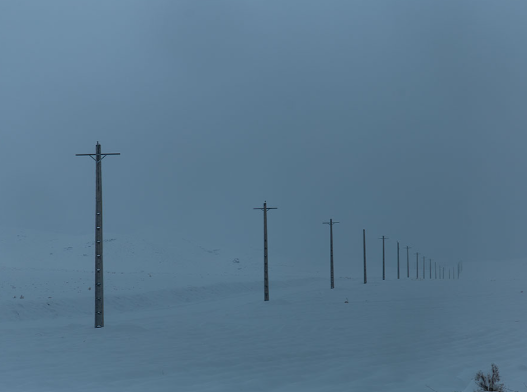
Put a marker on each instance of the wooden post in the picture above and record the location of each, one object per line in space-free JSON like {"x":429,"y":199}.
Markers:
{"x":331,"y":270}
{"x":364,"y":252}
{"x":99,"y":271}
{"x":266,"y":264}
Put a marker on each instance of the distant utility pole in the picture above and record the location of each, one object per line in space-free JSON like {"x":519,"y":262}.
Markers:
{"x":364,"y":252}
{"x":430,"y":268}
{"x":398,"y":270}
{"x":331,"y":223}
{"x":417,"y":264}
{"x":266,"y":266}
{"x":383,"y":263}
{"x":99,"y":278}
{"x":424,"y":266}
{"x":408,"y":261}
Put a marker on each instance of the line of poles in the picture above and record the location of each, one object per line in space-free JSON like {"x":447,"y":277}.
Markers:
{"x":453,"y":272}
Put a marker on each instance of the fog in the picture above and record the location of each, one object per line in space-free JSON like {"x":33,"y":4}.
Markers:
{"x":404,"y":118}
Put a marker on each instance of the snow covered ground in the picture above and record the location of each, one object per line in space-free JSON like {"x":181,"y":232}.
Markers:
{"x":182,"y":316}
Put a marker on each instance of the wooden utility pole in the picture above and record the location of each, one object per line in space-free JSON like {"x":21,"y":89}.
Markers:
{"x":364,"y":252}
{"x":417,"y":264}
{"x":383,"y":263}
{"x":332,"y":274}
{"x":398,"y":270}
{"x":407,"y":261}
{"x":266,"y":266}
{"x":99,"y":277}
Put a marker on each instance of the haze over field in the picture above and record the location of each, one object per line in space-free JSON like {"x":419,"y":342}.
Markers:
{"x":405,"y":118}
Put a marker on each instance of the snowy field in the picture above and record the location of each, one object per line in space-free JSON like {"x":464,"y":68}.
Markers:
{"x":185,"y":317}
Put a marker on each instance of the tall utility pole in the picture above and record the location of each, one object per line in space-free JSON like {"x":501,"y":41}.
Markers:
{"x":332,"y":274}
{"x":266,"y":265}
{"x":383,"y":263}
{"x":331,"y":266}
{"x":407,"y":261}
{"x":364,"y":252}
{"x":398,"y":270}
{"x":424,"y":266}
{"x":417,"y":264}
{"x":99,"y":277}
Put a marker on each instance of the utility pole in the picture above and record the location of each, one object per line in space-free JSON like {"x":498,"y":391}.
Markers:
{"x":364,"y":252}
{"x":430,"y":268}
{"x":266,"y":265}
{"x":99,"y":277}
{"x":332,"y":274}
{"x":398,"y":270}
{"x":407,"y":261}
{"x":417,"y":265}
{"x":383,"y":263}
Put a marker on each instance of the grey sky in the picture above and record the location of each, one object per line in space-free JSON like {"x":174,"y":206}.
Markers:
{"x":406,"y":118}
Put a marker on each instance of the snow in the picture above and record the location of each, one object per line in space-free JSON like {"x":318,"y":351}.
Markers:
{"x":185,"y":316}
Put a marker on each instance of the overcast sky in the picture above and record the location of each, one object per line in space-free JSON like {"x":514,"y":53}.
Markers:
{"x":406,"y":118}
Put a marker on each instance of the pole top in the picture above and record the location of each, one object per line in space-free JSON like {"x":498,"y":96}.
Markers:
{"x":265,"y":207}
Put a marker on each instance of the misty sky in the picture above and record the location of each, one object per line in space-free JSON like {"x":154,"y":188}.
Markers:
{"x":406,"y":118}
